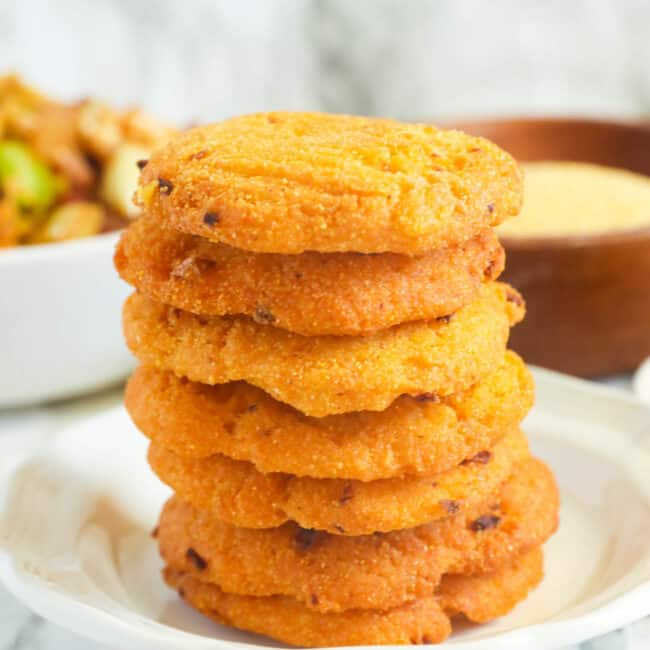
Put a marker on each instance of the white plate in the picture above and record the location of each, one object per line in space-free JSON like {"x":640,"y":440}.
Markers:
{"x":75,"y":522}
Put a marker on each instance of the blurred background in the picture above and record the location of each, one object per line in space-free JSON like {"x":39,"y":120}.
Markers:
{"x":195,"y":61}
{"x":201,"y":60}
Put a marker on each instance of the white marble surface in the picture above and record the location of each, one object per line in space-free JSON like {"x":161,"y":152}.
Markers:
{"x":205,"y":59}
{"x":22,"y":630}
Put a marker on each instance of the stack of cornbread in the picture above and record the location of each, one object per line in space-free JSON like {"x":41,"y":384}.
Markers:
{"x":325,"y":379}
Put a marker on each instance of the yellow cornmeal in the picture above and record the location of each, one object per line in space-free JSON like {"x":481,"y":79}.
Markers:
{"x":569,"y":198}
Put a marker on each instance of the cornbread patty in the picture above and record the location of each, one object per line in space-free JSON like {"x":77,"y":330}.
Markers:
{"x":235,"y":492}
{"x":427,"y":620}
{"x":411,"y":437}
{"x":291,"y":182}
{"x":484,"y":597}
{"x":324,"y":375}
{"x":312,"y":293}
{"x":332,"y":573}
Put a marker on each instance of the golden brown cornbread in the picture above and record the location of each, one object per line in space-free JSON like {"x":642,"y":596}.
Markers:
{"x":312,"y":293}
{"x":235,"y":492}
{"x":285,"y":619}
{"x":482,"y":598}
{"x":427,"y":620}
{"x":291,"y":182}
{"x":411,"y":437}
{"x":325,"y":375}
{"x":331,"y":573}
{"x":325,"y":381}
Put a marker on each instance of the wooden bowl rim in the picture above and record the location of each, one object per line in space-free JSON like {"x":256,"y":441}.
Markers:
{"x":525,"y":120}
{"x":632,"y":236}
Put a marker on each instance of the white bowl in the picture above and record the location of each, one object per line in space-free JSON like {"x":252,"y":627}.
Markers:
{"x":60,"y":330}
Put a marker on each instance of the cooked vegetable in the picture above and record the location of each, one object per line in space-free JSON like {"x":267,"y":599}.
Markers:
{"x":18,"y":106}
{"x":99,"y":129}
{"x":102,"y":130}
{"x":120,"y":179}
{"x":25,"y":179}
{"x":56,"y":141}
{"x":8,"y":225}
{"x":70,"y":221}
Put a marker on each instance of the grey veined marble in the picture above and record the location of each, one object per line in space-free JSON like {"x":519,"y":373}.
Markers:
{"x":206,"y":59}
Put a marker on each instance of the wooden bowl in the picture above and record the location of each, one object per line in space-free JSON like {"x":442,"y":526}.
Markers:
{"x":588,"y":297}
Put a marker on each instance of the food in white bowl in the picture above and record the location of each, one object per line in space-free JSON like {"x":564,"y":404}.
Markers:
{"x":67,"y":170}
{"x":67,"y":175}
